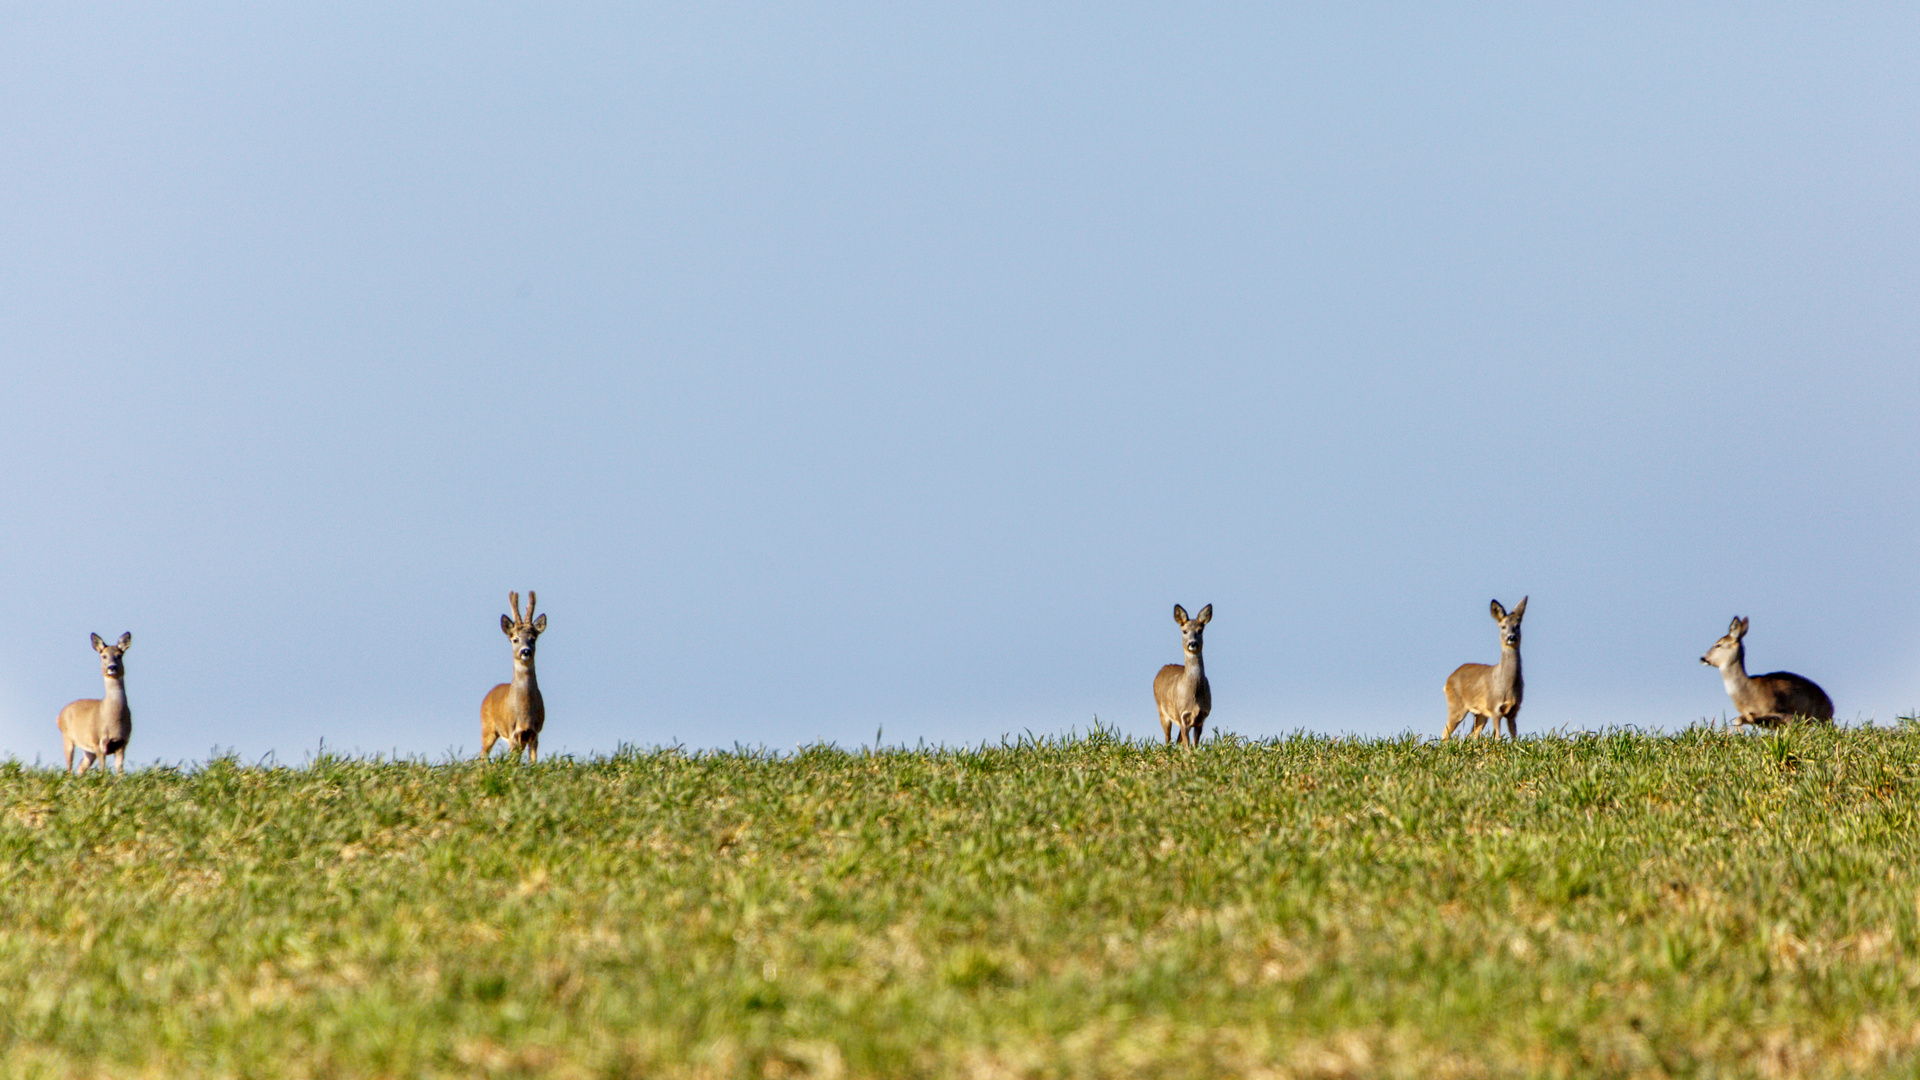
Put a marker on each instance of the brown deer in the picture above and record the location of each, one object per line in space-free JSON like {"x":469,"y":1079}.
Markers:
{"x":1180,"y":690}
{"x":513,"y":711}
{"x":1765,"y":700}
{"x":1490,"y":691}
{"x":100,"y":726}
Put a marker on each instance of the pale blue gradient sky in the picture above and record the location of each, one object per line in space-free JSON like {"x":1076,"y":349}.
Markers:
{"x":828,"y":367}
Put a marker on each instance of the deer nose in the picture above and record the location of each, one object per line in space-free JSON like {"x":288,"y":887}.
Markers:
{"x":524,"y":653}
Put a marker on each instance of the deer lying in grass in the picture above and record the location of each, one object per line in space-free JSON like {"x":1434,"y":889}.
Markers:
{"x":513,"y":711}
{"x":1490,"y":691}
{"x":1764,"y":700}
{"x":1180,"y":690}
{"x":100,"y":726}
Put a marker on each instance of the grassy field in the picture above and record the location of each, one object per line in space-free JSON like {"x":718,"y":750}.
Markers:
{"x":1704,"y":904}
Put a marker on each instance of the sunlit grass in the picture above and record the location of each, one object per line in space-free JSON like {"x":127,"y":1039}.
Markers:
{"x":1618,"y":905}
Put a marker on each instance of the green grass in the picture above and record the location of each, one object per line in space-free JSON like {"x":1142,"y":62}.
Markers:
{"x":1704,"y":904}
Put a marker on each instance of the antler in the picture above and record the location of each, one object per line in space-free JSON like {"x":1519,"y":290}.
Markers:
{"x":514,"y":599}
{"x":530,"y":595}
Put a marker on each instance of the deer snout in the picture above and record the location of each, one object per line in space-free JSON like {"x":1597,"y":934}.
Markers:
{"x":526,"y":653}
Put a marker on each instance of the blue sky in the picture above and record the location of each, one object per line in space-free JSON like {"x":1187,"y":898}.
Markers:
{"x":838,"y":368}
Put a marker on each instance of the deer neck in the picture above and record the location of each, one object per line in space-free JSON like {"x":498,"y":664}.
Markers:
{"x":1506,"y":673}
{"x":1196,"y":670}
{"x":524,"y":683}
{"x":1734,"y":674}
{"x":114,"y":701}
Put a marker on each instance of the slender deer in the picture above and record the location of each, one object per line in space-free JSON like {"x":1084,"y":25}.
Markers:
{"x":513,"y":711}
{"x":100,"y":726}
{"x":1765,"y":700}
{"x":1180,"y":690}
{"x":1490,"y":691}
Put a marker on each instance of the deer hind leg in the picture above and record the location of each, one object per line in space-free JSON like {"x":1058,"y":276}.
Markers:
{"x":487,"y":739}
{"x":1456,"y":710}
{"x":1166,"y":726}
{"x":67,"y":745}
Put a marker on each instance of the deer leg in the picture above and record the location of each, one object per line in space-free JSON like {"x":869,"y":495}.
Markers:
{"x":121,"y":757}
{"x":487,"y":739}
{"x":1456,"y":711}
{"x":533,"y":749}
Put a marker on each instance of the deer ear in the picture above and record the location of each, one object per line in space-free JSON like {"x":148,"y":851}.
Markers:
{"x":126,"y":641}
{"x":540,"y":625}
{"x":97,"y":643}
{"x":1179,"y":615}
{"x":1205,"y":616}
{"x":506,"y":626}
{"x":1497,"y":611}
{"x":1520,"y":609}
{"x":1739,"y":629}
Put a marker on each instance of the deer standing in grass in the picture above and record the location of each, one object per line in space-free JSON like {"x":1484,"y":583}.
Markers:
{"x":513,"y":711}
{"x":1180,"y":690}
{"x":1490,"y":691}
{"x":100,"y":726}
{"x":1764,"y":700}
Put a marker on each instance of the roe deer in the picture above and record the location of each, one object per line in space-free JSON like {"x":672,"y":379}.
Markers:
{"x":1180,"y":690}
{"x":1490,"y":691}
{"x":1765,"y":700}
{"x":513,"y":711}
{"x":100,"y":726}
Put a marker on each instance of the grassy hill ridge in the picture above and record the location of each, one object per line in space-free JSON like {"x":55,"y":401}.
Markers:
{"x":1702,"y":903}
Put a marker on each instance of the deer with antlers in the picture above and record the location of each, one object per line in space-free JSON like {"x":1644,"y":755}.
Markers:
{"x":513,"y":711}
